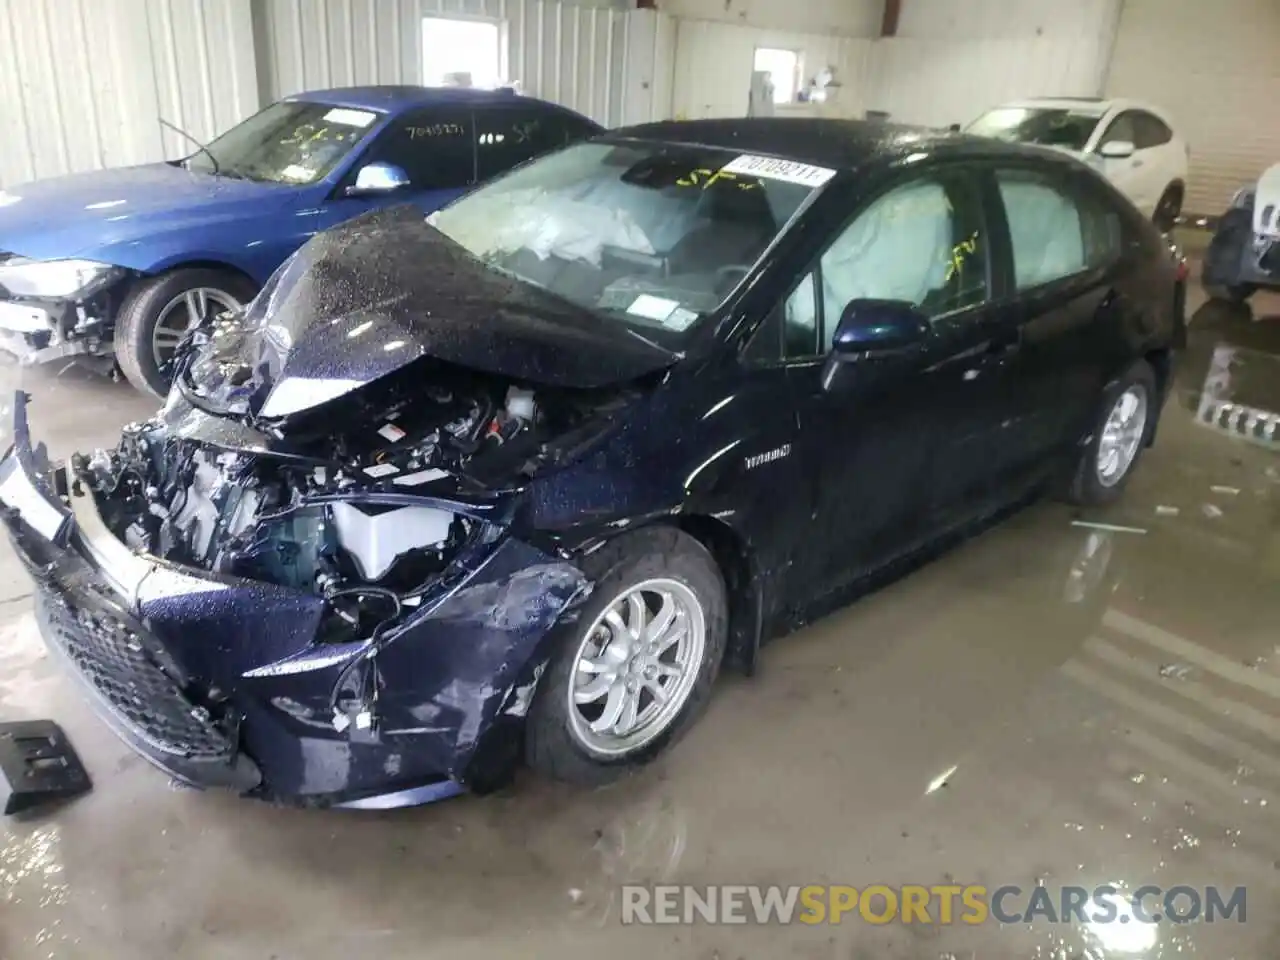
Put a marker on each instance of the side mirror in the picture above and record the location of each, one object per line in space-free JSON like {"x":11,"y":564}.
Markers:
{"x":378,"y":177}
{"x":869,"y":329}
{"x":954,"y":128}
{"x":1117,"y":149}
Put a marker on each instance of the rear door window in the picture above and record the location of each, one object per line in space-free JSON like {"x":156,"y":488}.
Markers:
{"x":1056,"y":230}
{"x":508,"y":136}
{"x":1123,"y":129}
{"x":435,"y":146}
{"x":1151,"y":131}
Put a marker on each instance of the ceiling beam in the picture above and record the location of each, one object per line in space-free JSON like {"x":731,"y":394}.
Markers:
{"x":889,"y":23}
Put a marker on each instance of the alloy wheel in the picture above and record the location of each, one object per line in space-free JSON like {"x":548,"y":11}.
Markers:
{"x":636,"y":666}
{"x":1122,"y":435}
{"x":183,"y":314}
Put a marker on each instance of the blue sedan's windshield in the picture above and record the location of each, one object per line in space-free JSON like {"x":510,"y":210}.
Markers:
{"x":654,"y":234}
{"x":288,"y":142}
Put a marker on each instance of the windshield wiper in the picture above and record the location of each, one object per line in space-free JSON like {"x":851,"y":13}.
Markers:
{"x":203,"y":149}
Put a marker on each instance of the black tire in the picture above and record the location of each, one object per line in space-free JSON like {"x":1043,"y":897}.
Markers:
{"x":136,"y":320}
{"x":1232,"y":293}
{"x":1087,"y":488}
{"x":551,"y":748}
{"x":1169,"y":208}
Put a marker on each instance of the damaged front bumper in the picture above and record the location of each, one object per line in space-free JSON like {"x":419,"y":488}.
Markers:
{"x":220,"y":682}
{"x":34,"y":333}
{"x":1239,"y":256}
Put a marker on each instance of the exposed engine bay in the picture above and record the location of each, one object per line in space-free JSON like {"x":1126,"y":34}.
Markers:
{"x":331,"y":509}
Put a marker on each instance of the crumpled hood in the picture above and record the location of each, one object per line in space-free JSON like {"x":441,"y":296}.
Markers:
{"x":78,"y":214}
{"x":367,"y":298}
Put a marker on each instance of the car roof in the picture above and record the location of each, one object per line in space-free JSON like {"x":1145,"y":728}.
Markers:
{"x":390,"y":98}
{"x":825,"y":142}
{"x":1089,"y":106}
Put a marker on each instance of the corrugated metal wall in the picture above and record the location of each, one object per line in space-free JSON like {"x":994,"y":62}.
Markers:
{"x":82,"y":81}
{"x":571,"y":53}
{"x":952,"y":59}
{"x":714,"y":62}
{"x":937,"y":82}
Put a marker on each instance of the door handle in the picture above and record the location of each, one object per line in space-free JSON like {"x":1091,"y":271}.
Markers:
{"x":1137,"y":163}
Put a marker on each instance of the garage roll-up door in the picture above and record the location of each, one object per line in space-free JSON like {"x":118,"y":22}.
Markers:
{"x":1215,"y":66}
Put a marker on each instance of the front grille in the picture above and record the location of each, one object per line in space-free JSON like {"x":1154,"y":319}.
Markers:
{"x":110,"y":654}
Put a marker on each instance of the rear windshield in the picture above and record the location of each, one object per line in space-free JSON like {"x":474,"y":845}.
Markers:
{"x":1044,"y":126}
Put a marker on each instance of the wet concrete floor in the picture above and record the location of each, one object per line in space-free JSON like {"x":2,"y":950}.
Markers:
{"x":1108,"y":705}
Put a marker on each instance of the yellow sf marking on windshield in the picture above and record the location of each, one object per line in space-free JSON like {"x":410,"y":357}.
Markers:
{"x":959,"y":253}
{"x":704,"y":178}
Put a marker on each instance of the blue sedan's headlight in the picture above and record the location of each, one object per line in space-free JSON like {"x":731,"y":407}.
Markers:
{"x":54,"y":279}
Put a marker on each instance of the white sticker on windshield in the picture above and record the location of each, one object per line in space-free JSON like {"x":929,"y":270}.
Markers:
{"x":771,"y":168}
{"x":297,"y":172}
{"x":422,"y":476}
{"x":652,"y":308}
{"x":680,"y":318}
{"x":350,"y":118}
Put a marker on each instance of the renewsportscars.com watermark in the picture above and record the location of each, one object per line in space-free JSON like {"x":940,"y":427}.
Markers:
{"x":936,"y":904}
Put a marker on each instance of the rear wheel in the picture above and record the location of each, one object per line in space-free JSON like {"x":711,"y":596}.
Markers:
{"x":1126,"y":417}
{"x":160,"y":311}
{"x":637,"y":667}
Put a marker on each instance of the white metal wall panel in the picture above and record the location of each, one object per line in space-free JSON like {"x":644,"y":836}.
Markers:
{"x":1215,"y":67}
{"x":846,"y":18}
{"x":936,"y":82}
{"x":570,"y":53}
{"x":649,"y":60}
{"x":714,"y":61}
{"x":952,"y":59}
{"x":990,"y":19}
{"x":83,"y":81}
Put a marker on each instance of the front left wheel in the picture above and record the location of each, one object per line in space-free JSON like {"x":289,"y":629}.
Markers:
{"x":637,"y":667}
{"x":160,"y":311}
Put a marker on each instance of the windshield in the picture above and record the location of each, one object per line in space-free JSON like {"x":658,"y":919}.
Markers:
{"x":649,"y":234}
{"x":288,"y":142}
{"x":1047,"y":127}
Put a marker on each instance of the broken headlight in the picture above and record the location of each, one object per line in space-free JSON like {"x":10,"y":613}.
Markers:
{"x":55,"y":279}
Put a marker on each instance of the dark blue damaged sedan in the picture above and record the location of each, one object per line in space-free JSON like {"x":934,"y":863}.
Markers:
{"x":510,"y":483}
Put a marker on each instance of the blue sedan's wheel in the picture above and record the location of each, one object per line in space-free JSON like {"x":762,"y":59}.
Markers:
{"x":160,"y":311}
{"x":634,"y":671}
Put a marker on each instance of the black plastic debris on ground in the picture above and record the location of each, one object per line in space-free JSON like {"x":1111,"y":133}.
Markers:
{"x":37,"y":765}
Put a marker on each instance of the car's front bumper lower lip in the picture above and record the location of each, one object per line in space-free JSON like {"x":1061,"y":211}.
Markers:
{"x":456,"y":679}
{"x":31,"y":333}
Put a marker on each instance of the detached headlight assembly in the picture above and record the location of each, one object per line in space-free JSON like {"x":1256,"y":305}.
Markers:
{"x":55,"y":279}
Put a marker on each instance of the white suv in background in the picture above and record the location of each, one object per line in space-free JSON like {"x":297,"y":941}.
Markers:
{"x":1133,"y":144}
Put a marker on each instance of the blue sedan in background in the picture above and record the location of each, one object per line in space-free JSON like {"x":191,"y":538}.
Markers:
{"x":115,"y":266}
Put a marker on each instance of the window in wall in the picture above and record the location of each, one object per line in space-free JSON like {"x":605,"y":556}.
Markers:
{"x":783,"y":67}
{"x":453,"y":48}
